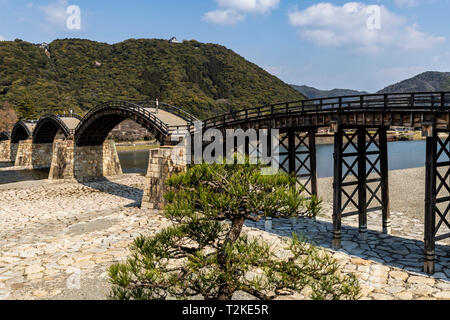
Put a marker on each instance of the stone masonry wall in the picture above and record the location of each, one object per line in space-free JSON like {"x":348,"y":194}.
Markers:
{"x":84,"y":163}
{"x":33,"y":155}
{"x":24,"y":157}
{"x":163,"y":163}
{"x":94,"y":162}
{"x":13,"y":150}
{"x":5,"y":151}
{"x":42,"y":155}
{"x":111,"y":162}
{"x":62,"y":160}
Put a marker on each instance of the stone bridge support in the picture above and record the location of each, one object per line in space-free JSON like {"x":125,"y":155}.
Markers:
{"x":24,"y":155}
{"x":5,"y":151}
{"x":27,"y":154}
{"x":163,"y":163}
{"x":62,"y":160}
{"x":41,"y":155}
{"x":88,"y":163}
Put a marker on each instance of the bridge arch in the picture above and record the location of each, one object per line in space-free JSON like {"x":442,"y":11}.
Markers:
{"x":4,"y":136}
{"x":22,"y":130}
{"x":48,"y":127}
{"x":100,"y":121}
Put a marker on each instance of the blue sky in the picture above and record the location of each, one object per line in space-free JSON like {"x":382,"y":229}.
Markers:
{"x":362,"y":45}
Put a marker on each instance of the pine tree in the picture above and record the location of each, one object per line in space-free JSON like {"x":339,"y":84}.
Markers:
{"x":206,"y":255}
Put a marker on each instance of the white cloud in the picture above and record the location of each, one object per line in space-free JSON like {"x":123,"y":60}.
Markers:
{"x":250,"y":6}
{"x":327,"y":25}
{"x":2,"y":38}
{"x":55,"y":13}
{"x":234,"y":11}
{"x":223,"y":17}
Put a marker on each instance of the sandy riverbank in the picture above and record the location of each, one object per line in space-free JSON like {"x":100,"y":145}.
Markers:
{"x":130,"y":147}
{"x":406,"y":190}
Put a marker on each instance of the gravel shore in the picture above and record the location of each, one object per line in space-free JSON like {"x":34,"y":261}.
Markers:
{"x":406,"y":191}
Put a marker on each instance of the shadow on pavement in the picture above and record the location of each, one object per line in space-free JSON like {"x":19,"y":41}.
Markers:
{"x":117,"y":189}
{"x":393,"y":251}
{"x":15,"y":175}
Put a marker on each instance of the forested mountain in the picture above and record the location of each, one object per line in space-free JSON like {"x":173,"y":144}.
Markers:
{"x":313,"y":93}
{"x":427,"y":81}
{"x":75,"y":74}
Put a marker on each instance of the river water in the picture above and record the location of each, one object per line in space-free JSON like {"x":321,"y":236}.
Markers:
{"x":402,"y":155}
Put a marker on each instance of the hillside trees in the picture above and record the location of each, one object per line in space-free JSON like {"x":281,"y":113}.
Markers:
{"x":7,"y":117}
{"x":205,"y":79}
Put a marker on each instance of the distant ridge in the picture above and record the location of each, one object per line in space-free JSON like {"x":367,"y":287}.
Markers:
{"x":427,"y":81}
{"x":313,"y":93}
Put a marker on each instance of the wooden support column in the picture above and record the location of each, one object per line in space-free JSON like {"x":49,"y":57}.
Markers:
{"x":386,"y":212}
{"x":362,"y":183}
{"x":337,"y":189}
{"x":430,"y":204}
{"x":292,"y":150}
{"x":313,"y":161}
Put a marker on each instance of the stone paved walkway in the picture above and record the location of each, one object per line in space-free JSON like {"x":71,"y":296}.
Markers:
{"x":388,"y":266}
{"x":58,"y":240}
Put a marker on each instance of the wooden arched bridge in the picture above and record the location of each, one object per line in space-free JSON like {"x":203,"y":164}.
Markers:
{"x":361,"y":168}
{"x":360,"y":124}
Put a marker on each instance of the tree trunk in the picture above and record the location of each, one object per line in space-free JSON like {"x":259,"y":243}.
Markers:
{"x":225,"y":290}
{"x":236,"y":229}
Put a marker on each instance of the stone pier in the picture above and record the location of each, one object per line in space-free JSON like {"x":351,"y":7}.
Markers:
{"x":27,"y":154}
{"x":62,"y":160}
{"x":163,"y":163}
{"x":88,"y":163}
{"x":24,"y":154}
{"x":42,"y":155}
{"x":5,"y":151}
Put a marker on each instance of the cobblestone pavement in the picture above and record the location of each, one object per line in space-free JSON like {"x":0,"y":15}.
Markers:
{"x":388,"y":266}
{"x":58,"y":240}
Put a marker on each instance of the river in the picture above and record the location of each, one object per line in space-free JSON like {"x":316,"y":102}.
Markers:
{"x":402,"y":155}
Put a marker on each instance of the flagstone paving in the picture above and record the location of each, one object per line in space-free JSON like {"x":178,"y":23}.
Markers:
{"x":388,"y":266}
{"x":58,"y":240}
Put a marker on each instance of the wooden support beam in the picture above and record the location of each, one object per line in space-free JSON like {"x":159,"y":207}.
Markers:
{"x":430,"y":205}
{"x":362,"y":184}
{"x":337,"y":189}
{"x":291,"y":150}
{"x":313,"y":161}
{"x":384,"y":168}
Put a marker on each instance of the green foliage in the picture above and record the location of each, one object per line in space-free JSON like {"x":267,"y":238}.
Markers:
{"x":204,"y":79}
{"x":204,"y":254}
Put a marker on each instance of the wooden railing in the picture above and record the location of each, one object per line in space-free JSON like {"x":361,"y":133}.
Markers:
{"x":427,"y":101}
